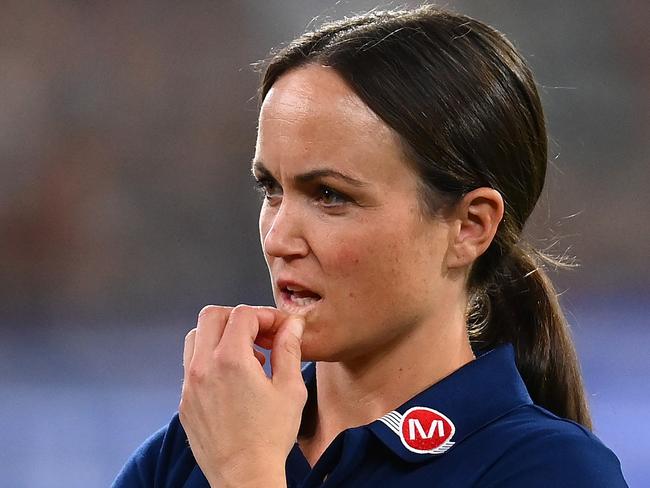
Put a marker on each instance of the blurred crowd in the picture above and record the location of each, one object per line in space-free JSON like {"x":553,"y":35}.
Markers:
{"x":126,"y":130}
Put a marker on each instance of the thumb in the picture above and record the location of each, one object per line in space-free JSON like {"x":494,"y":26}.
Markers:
{"x":285,"y":354}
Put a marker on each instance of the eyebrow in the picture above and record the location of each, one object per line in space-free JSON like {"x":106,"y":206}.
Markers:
{"x":259,"y":168}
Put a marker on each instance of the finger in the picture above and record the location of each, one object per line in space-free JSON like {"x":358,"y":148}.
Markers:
{"x":240,"y":332}
{"x":286,"y":354}
{"x":244,"y":325}
{"x":188,"y":352}
{"x":209,"y":329}
{"x":270,"y":319}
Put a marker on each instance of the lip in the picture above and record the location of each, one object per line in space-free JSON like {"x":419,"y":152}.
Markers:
{"x":285,"y":301}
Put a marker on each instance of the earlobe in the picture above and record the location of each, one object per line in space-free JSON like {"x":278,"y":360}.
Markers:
{"x":477,"y":217}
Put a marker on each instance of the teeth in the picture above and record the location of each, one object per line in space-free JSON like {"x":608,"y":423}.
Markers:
{"x":303,"y":301}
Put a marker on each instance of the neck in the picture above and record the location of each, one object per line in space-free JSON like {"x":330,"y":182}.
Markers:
{"x":357,"y":392}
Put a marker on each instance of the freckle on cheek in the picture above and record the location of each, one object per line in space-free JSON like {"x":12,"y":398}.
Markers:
{"x":348,"y":255}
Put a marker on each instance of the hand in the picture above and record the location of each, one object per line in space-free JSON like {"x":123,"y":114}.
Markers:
{"x":241,"y":424}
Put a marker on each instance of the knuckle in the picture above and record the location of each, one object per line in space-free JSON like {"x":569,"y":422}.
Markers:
{"x":303,"y":396}
{"x":190,"y":334}
{"x":298,"y":391}
{"x":212,"y":311}
{"x":292,"y":346}
{"x":196,"y":375}
{"x":241,"y":310}
{"x":226,"y":362}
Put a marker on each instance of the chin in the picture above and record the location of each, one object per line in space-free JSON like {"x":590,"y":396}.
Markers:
{"x":322,"y":348}
{"x":318,"y":340}
{"x":315,"y":347}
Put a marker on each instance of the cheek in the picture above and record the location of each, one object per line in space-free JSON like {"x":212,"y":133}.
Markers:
{"x":347,"y":258}
{"x":369,"y":262}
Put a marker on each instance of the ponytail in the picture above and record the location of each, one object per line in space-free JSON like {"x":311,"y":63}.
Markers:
{"x":519,"y":305}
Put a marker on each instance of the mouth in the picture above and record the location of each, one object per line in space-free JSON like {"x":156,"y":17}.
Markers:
{"x":295,"y":298}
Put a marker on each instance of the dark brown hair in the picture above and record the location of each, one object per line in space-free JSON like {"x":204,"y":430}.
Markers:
{"x":465,"y":107}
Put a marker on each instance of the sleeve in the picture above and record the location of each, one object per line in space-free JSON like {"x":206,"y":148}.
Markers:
{"x":139,"y":470}
{"x":579,"y":460}
{"x":163,"y":460}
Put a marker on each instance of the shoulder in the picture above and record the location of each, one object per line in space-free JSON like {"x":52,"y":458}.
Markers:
{"x":164,"y":459}
{"x":544,"y":450}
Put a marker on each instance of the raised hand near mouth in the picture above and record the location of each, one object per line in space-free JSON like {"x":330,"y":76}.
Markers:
{"x":240,"y":423}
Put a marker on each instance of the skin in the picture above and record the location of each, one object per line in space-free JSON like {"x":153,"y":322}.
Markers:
{"x":219,"y":366}
{"x":391,"y":279}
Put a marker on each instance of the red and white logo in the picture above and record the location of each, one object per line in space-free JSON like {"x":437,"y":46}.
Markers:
{"x":422,"y":430}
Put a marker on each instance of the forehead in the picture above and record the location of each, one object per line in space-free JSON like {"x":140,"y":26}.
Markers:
{"x":315,"y":92}
{"x":311,"y":115}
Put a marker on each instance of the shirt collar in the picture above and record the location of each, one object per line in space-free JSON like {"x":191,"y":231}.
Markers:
{"x":444,"y":414}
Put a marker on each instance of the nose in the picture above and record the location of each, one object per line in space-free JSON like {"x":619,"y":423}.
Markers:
{"x":282,"y":232}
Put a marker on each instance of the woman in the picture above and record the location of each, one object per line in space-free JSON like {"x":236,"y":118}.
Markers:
{"x":400,"y":155}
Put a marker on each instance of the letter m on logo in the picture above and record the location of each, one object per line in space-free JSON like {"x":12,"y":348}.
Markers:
{"x":416,"y":430}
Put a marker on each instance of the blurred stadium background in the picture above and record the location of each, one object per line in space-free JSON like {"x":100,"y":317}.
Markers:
{"x":126,"y":130}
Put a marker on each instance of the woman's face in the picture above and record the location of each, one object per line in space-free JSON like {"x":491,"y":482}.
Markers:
{"x":342,"y":230}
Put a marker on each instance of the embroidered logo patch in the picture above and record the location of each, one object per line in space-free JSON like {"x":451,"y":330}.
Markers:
{"x":422,"y":430}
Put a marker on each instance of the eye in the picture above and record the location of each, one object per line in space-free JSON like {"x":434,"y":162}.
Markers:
{"x":331,"y":198}
{"x":269,"y":189}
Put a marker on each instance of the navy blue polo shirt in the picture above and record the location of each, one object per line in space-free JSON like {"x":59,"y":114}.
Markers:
{"x":476,"y":427}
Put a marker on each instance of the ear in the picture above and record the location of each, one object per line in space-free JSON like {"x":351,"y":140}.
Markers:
{"x":475,"y":219}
